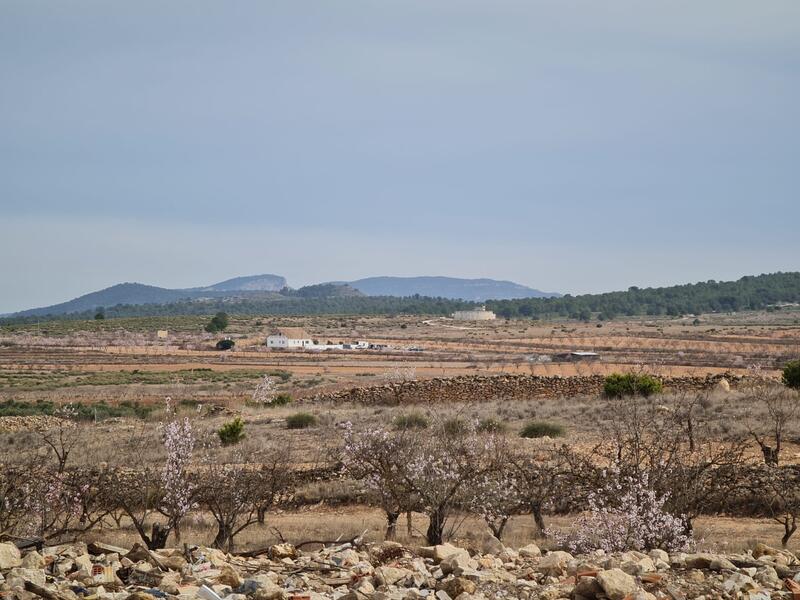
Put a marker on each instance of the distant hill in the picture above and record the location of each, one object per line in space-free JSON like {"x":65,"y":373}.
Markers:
{"x":133,"y":294}
{"x":274,"y":287}
{"x":122,"y":293}
{"x":253,"y":283}
{"x":474,"y":290}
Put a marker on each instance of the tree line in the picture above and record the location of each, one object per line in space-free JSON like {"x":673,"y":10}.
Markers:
{"x":748,"y":293}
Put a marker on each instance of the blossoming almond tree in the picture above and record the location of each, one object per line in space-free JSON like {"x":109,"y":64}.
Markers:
{"x":238,"y":493}
{"x":626,"y":514}
{"x":264,"y":392}
{"x":177,"y":499}
{"x":437,"y":466}
{"x":377,"y":459}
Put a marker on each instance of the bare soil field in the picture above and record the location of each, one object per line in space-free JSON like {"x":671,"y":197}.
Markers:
{"x":667,"y":347}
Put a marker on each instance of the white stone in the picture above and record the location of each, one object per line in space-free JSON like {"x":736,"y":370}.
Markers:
{"x":9,"y":556}
{"x":530,"y":551}
{"x":555,"y":563}
{"x":616,"y":583}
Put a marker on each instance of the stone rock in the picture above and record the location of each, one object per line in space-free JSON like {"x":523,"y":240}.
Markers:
{"x":228,"y":576}
{"x":9,"y":556}
{"x":767,"y":576}
{"x":491,"y":545}
{"x":363,"y":587}
{"x":457,"y":586}
{"x":636,"y":565}
{"x":530,"y":551}
{"x":345,"y":558}
{"x":555,"y":563}
{"x":138,"y":553}
{"x":588,"y":587}
{"x":279,"y":551}
{"x":176,"y":562}
{"x":739,"y":582}
{"x":657,"y":555}
{"x":36,"y":576}
{"x":33,"y":560}
{"x":457,"y":563}
{"x":768,"y":553}
{"x":695,"y":576}
{"x":616,"y":583}
{"x":699,"y":561}
{"x":556,"y":592}
{"x":84,"y":561}
{"x":440,"y":552}
{"x":216,"y":557}
{"x":269,"y":591}
{"x":391,"y":575}
{"x":723,"y":385}
{"x":140,"y":596}
{"x":170,"y":584}
{"x":720,"y":563}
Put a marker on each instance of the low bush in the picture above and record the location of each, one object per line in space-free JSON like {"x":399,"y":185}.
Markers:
{"x":454,"y":427}
{"x":618,"y":385}
{"x":231,"y":432}
{"x":411,"y":421}
{"x":281,"y":399}
{"x":537,"y":429}
{"x":791,"y":375}
{"x":301,"y":420}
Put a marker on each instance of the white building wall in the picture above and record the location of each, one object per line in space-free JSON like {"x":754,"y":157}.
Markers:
{"x":281,"y":341}
{"x":473,"y":315}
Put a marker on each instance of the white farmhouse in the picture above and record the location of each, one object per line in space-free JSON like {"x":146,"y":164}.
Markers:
{"x":289,"y":337}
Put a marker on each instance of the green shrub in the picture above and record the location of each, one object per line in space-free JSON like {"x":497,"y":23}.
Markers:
{"x":537,"y":429}
{"x":454,"y":427}
{"x":281,"y":399}
{"x":411,"y":421}
{"x":219,"y":322}
{"x":618,"y":385}
{"x":791,"y":374}
{"x":231,"y":432}
{"x":301,"y":420}
{"x":491,"y":426}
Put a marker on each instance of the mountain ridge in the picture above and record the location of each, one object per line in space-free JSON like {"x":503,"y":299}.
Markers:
{"x":270,"y":286}
{"x":454,"y":288}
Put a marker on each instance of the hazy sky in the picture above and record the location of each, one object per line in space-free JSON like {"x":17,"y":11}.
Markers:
{"x":571,"y":146}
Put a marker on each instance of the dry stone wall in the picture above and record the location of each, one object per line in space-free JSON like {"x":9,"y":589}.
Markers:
{"x":479,"y":388}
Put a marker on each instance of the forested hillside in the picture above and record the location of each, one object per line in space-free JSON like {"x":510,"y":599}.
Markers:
{"x":750,"y":292}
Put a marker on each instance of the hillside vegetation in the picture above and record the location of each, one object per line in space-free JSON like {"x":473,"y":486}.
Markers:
{"x":748,"y":293}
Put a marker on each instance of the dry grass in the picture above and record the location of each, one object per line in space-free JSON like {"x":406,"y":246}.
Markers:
{"x":325,"y":523}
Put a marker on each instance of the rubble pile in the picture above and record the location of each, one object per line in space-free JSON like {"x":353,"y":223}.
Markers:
{"x":31,"y":423}
{"x":388,"y":571}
